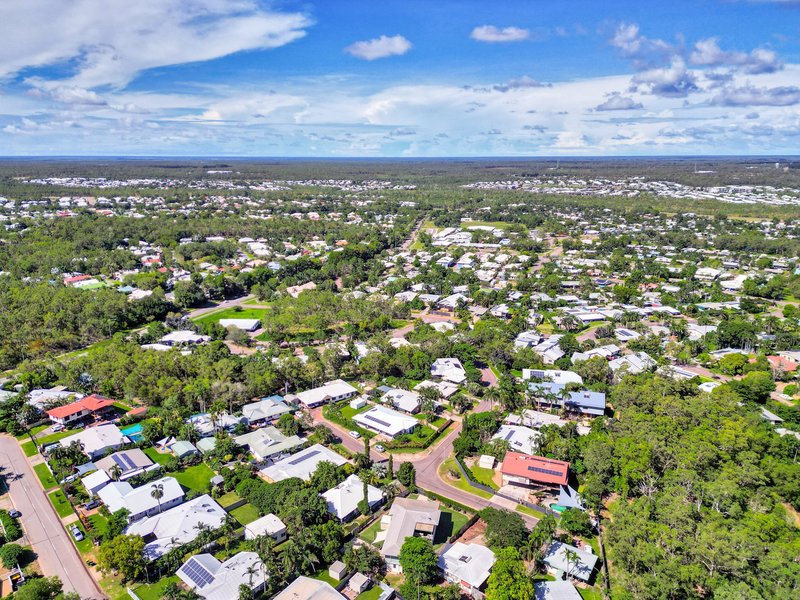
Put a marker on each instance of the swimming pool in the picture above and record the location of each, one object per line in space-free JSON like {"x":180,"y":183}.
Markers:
{"x":134,"y":432}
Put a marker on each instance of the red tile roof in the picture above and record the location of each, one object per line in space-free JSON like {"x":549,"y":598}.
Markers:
{"x":91,"y":403}
{"x":536,"y":468}
{"x":786,"y":364}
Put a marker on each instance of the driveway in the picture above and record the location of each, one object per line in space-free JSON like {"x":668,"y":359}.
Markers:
{"x":56,"y":553}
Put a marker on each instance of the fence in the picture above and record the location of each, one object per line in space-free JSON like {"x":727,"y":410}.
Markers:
{"x":466,"y":474}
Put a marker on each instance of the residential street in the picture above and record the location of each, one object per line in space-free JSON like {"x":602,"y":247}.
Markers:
{"x":56,"y":553}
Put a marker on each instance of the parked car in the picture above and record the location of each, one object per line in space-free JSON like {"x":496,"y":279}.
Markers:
{"x":14,"y":514}
{"x":355,"y":435}
{"x":91,"y":504}
{"x":57,"y":427}
{"x":380,"y":448}
{"x":77,"y":534}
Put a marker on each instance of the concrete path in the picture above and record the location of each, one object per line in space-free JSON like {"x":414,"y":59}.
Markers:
{"x":56,"y":553}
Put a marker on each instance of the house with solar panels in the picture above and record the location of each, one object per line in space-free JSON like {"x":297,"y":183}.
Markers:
{"x":302,"y":465}
{"x":131,"y":463}
{"x":214,"y":580}
{"x":554,"y":395}
{"x":177,"y":526}
{"x":138,"y":501}
{"x":536,"y":472}
{"x":386,"y":421}
{"x":520,"y":438}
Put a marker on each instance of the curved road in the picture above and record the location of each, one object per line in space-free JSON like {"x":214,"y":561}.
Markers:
{"x":50,"y":540}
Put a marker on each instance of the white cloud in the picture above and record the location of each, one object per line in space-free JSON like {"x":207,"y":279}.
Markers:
{"x":674,"y":81}
{"x":492,"y":34}
{"x":618,"y":102}
{"x":107,"y":42}
{"x":753,"y":96}
{"x":380,"y":47}
{"x":760,"y":60}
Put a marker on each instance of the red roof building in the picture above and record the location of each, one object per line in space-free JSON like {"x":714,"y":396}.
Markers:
{"x":782,"y":363}
{"x":522,"y":469}
{"x":78,"y":409}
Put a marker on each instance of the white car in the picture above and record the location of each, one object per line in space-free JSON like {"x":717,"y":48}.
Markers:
{"x":57,"y":427}
{"x":355,"y":435}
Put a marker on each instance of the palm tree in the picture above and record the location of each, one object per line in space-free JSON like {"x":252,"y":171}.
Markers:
{"x":116,"y":472}
{"x":251,"y":571}
{"x":571,"y":558}
{"x":157,"y":492}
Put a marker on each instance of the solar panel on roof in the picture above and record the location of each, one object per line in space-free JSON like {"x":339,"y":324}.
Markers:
{"x":509,"y":435}
{"x":379,"y":421}
{"x":547,"y":471}
{"x":129,"y":461}
{"x":197,"y":574}
{"x":118,"y":461}
{"x":297,"y":461}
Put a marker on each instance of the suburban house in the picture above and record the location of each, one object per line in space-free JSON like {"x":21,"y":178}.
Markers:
{"x":386,"y":421}
{"x":302,"y":465}
{"x":269,"y":525}
{"x":467,"y":565}
{"x":407,"y":518}
{"x":139,"y":502}
{"x":96,"y":441}
{"x":555,"y":590}
{"x":448,"y":369}
{"x":177,"y":526}
{"x":520,"y":438}
{"x":268,"y":443}
{"x":305,"y":588}
{"x":183,"y":338}
{"x":130,"y":463}
{"x":631,"y":364}
{"x":333,"y":391}
{"x":554,"y":395}
{"x":534,"y":471}
{"x":95,"y":481}
{"x":214,"y":580}
{"x":402,"y":399}
{"x":266,"y":410}
{"x":554,"y":375}
{"x":243,"y":324}
{"x":80,"y":409}
{"x":343,"y":499}
{"x":445,"y":389}
{"x":556,"y":560}
{"x":207,"y":424}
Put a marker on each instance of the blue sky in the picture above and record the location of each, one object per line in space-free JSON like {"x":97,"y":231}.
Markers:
{"x":399,"y":78}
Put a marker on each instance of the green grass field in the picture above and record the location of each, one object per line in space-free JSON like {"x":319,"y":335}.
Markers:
{"x":35,"y":431}
{"x":322,"y":575}
{"x":245,"y":514}
{"x":62,"y":505}
{"x":54,"y":437}
{"x":372,"y":593}
{"x":195,"y":478}
{"x":368,"y":535}
{"x":228,"y":499}
{"x":484,"y":476}
{"x":461,"y":483}
{"x":29,"y":448}
{"x":154,"y":591}
{"x":156,"y":456}
{"x":449,"y":523}
{"x":231,"y":313}
{"x":45,"y":476}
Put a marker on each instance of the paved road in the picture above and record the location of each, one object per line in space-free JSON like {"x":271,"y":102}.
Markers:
{"x":57,"y":555}
{"x":193,"y":314}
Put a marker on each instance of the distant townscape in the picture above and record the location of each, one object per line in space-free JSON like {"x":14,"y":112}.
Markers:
{"x":382,"y":380}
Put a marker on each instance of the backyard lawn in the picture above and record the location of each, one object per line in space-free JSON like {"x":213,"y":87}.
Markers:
{"x":35,"y":431}
{"x":323,"y":576}
{"x":231,"y":313}
{"x":449,"y":523}
{"x":484,"y":476}
{"x":154,"y":591}
{"x":156,"y":456}
{"x":372,"y":593}
{"x":245,"y":514}
{"x":197,"y":477}
{"x":228,"y":499}
{"x":62,"y":505}
{"x":45,"y":476}
{"x":461,"y":483}
{"x":368,"y":535}
{"x":60,"y":435}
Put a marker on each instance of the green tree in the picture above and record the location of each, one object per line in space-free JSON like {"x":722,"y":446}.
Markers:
{"x":509,"y":580}
{"x":418,"y":560}
{"x":124,"y":555}
{"x":42,"y":588}
{"x":406,"y":475}
{"x":576,"y":522}
{"x":11,"y":554}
